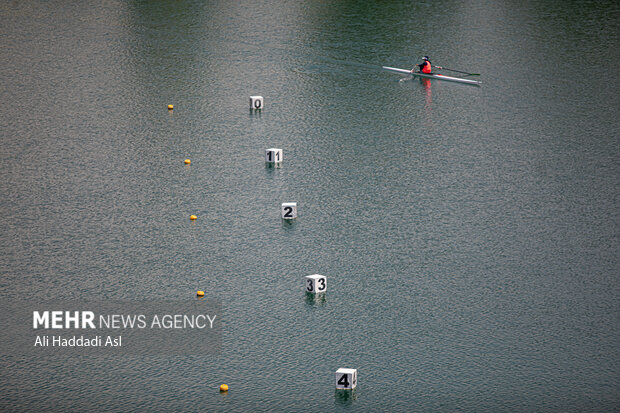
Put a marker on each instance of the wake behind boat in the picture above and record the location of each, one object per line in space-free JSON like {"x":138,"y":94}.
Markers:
{"x":434,"y":76}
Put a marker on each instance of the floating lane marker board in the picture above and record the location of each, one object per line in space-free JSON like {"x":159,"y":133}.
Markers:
{"x":434,"y":76}
{"x":256,"y":102}
{"x":289,"y":210}
{"x":315,"y":284}
{"x":346,"y":379}
{"x":273,"y":155}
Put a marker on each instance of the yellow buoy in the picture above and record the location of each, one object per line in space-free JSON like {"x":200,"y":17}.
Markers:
{"x":170,"y":107}
{"x":224,"y":387}
{"x":193,"y":217}
{"x":187,"y":162}
{"x":200,"y":293}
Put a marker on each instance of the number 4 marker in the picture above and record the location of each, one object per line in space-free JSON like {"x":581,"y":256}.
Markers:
{"x":346,"y":379}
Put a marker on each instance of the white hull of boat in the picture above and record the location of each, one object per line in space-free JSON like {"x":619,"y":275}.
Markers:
{"x":433,"y":76}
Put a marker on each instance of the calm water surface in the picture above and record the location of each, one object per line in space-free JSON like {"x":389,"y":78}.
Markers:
{"x":469,"y":234}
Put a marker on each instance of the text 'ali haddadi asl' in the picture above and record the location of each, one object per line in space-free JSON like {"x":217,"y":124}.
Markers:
{"x":75,"y":341}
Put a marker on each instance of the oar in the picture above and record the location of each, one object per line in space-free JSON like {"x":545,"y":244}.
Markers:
{"x":458,"y":71}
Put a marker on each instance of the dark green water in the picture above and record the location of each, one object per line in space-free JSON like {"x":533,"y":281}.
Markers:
{"x":469,"y":235}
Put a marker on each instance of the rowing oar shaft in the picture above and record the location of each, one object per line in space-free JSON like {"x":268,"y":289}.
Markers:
{"x":457,"y":71}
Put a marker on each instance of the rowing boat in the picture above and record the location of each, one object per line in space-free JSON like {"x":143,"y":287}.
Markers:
{"x":434,"y":76}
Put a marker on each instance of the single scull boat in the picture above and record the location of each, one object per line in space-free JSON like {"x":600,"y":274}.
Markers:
{"x":434,"y":76}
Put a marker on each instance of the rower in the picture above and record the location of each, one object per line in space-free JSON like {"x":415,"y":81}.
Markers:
{"x":425,"y":66}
